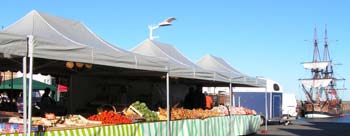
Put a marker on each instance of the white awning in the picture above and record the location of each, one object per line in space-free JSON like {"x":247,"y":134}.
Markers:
{"x":57,"y":38}
{"x":316,"y":65}
{"x":308,"y":83}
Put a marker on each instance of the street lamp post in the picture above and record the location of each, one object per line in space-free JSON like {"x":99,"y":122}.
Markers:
{"x":166,"y":22}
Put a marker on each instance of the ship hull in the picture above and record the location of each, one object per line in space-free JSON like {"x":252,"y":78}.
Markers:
{"x":319,"y":115}
{"x":322,"y":111}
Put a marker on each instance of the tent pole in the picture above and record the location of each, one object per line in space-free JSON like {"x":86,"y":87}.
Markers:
{"x":266,"y":112}
{"x":31,"y":48}
{"x":11,"y":93}
{"x":231,"y":100}
{"x":270,"y":104}
{"x":230,"y":89}
{"x":168,"y":105}
{"x":24,"y":95}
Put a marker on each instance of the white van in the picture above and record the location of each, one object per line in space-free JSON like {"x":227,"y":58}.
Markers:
{"x":289,"y":108}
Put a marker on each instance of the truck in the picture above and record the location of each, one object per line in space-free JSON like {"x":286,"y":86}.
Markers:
{"x":289,"y":108}
{"x":269,"y":97}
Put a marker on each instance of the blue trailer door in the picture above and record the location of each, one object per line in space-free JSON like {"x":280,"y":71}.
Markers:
{"x":276,"y":106}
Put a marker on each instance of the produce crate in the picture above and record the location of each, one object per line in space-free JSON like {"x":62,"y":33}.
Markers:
{"x":223,"y":99}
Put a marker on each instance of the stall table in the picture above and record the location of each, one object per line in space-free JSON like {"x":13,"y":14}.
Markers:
{"x":215,"y":126}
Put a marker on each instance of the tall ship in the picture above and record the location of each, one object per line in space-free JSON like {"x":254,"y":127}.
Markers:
{"x":322,"y":100}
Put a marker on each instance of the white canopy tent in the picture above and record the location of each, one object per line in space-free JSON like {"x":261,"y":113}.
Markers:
{"x":57,"y":38}
{"x":219,"y":65}
{"x":39,"y":35}
{"x":179,"y":65}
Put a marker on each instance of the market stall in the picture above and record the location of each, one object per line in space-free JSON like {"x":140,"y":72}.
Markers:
{"x":52,"y":42}
{"x":244,"y":125}
{"x":65,"y":47}
{"x":184,"y":122}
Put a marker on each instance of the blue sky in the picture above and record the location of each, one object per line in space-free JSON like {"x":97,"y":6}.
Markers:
{"x":259,"y":38}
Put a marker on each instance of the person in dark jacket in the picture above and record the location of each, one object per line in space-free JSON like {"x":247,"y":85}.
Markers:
{"x":201,"y":102}
{"x":189,"y":99}
{"x":47,"y":104}
{"x":46,"y":100}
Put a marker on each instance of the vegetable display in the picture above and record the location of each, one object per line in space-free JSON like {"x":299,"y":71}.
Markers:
{"x":181,"y":113}
{"x":142,"y":109}
{"x":110,"y":117}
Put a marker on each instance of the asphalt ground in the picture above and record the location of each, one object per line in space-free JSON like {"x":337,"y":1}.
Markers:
{"x":303,"y":128}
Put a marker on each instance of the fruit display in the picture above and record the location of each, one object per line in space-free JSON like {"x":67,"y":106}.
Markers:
{"x":223,"y":110}
{"x":177,"y":113}
{"x":77,"y":120}
{"x":50,"y":116}
{"x":110,"y":117}
{"x":242,"y":111}
{"x":181,"y":113}
{"x":51,"y":120}
{"x":206,"y":113}
{"x":142,"y":109}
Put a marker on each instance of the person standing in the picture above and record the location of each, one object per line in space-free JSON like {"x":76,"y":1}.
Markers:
{"x":47,"y":104}
{"x":199,"y":98}
{"x":189,"y":99}
{"x":208,"y":101}
{"x":4,"y":101}
{"x":4,"y":97}
{"x":203,"y":100}
{"x":46,"y":100}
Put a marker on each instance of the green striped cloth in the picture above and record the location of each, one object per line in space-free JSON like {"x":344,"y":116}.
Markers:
{"x":215,"y":126}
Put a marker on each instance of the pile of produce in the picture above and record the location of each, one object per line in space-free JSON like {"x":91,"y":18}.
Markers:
{"x":110,"y":117}
{"x":144,"y":111}
{"x":181,"y":113}
{"x":206,"y":113}
{"x":51,"y":120}
{"x":177,"y":113}
{"x":131,"y":114}
{"x":223,"y":110}
{"x":242,"y":111}
{"x":76,"y":120}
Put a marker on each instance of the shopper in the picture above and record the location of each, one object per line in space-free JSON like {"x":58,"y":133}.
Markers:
{"x":189,"y":99}
{"x":46,"y":100}
{"x":208,"y":101}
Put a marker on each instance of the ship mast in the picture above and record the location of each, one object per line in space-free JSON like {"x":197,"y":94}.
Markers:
{"x":316,"y":51}
{"x":328,"y":73}
{"x":316,"y":72}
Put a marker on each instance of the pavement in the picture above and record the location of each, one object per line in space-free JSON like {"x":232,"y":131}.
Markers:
{"x":302,"y":128}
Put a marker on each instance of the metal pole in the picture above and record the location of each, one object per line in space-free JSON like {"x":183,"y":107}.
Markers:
{"x":31,"y":48}
{"x":231,"y":100}
{"x":168,"y":104}
{"x":270,"y":105}
{"x":24,"y":95}
{"x":151,"y":28}
{"x":266,"y":113}
{"x":150,"y":32}
{"x":239,"y":101}
{"x":231,"y":104}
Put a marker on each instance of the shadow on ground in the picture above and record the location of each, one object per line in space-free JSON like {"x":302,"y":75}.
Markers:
{"x":308,"y":129}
